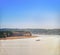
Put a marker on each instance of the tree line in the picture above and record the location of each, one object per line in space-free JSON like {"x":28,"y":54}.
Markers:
{"x":4,"y":34}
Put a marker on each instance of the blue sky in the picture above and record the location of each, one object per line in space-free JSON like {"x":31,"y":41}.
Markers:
{"x":29,"y":13}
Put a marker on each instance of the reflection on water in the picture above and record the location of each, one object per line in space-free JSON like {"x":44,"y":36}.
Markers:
{"x":42,"y":45}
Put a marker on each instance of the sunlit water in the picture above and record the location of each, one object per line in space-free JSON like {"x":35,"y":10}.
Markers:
{"x":41,"y":45}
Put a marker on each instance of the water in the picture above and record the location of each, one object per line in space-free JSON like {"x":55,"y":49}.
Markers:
{"x":41,"y":45}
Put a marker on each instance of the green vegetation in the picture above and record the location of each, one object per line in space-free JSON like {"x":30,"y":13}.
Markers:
{"x":9,"y":32}
{"x":4,"y":34}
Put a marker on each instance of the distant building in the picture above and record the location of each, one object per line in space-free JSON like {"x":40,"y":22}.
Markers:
{"x":22,"y":33}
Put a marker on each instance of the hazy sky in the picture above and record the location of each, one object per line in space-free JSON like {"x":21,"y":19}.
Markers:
{"x":29,"y":13}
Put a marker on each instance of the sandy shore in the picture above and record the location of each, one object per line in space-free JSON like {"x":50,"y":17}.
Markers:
{"x":48,"y":45}
{"x":17,"y":37}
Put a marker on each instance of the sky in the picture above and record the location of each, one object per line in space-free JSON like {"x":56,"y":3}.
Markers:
{"x":29,"y":14}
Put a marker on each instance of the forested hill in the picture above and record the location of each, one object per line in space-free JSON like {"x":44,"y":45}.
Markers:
{"x":37,"y":31}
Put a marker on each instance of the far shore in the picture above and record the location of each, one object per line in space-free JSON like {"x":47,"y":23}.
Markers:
{"x":17,"y":37}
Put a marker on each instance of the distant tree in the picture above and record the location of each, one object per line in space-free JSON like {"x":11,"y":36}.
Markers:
{"x":9,"y":33}
{"x":4,"y":34}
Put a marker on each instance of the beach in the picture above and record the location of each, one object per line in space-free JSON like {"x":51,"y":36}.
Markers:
{"x":40,"y":45}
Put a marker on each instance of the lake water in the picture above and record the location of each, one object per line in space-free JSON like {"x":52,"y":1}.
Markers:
{"x":41,"y":45}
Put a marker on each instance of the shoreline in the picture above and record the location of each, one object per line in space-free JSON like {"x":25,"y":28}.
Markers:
{"x":17,"y":37}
